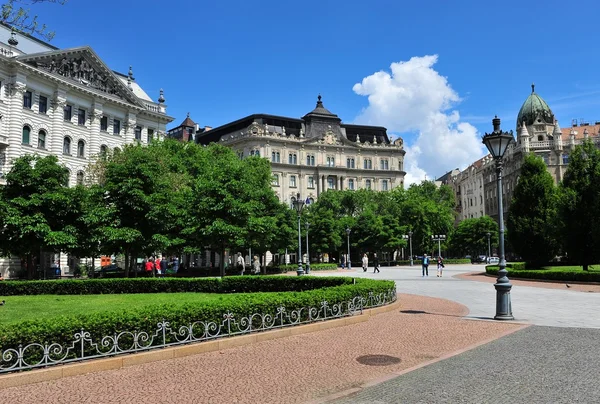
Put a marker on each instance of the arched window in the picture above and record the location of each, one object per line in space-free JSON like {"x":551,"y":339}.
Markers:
{"x":67,"y":145}
{"x":41,"y":139}
{"x":104,"y":150}
{"x":81,"y":148}
{"x":368,"y":184}
{"x":80,"y":178}
{"x":26,"y":132}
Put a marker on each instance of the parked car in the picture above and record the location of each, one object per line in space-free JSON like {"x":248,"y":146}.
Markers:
{"x":493,"y":260}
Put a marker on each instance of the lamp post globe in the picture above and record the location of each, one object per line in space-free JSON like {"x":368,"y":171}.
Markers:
{"x":307,"y":266}
{"x":497,"y":143}
{"x":348,"y":258}
{"x":298,"y":204}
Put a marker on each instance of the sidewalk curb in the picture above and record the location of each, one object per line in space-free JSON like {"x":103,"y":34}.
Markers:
{"x":355,"y":390}
{"x":118,"y":362}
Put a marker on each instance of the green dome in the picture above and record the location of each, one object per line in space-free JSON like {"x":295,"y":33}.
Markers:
{"x":534,"y":107}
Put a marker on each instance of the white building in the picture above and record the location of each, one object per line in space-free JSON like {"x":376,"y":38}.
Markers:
{"x":68,"y":103}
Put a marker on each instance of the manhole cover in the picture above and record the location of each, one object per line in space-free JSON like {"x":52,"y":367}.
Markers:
{"x":377,"y":360}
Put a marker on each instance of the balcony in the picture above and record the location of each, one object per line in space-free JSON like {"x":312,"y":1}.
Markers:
{"x":152,"y":107}
{"x":542,"y":145}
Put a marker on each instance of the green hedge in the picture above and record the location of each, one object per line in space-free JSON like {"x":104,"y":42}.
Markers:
{"x":233,"y":284}
{"x":433,"y":261}
{"x":62,"y":329}
{"x":313,"y":267}
{"x":546,"y":274}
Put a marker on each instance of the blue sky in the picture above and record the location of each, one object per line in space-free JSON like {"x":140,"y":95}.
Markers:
{"x":460,"y":63}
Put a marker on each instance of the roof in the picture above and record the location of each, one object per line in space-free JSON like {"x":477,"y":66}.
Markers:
{"x":320,"y":112}
{"x":533,"y":107}
{"x":593,"y":130}
{"x":188,"y":121}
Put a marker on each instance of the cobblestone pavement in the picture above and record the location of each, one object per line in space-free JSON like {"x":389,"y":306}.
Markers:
{"x":287,"y":370}
{"x":534,"y":365}
{"x":534,"y":305}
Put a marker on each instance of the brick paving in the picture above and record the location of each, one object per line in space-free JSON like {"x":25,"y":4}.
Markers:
{"x":575,"y":287}
{"x":287,"y":370}
{"x":534,"y":365}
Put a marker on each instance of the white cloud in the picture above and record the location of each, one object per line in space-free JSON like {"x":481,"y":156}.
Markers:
{"x":416,"y":98}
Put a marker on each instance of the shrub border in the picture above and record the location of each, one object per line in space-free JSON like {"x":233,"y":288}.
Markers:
{"x":546,"y":275}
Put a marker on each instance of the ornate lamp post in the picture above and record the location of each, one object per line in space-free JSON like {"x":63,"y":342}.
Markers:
{"x":439,"y":238}
{"x":489,"y":245}
{"x":307,"y":225}
{"x":497,"y":142}
{"x":348,"y":260}
{"x":298,"y":205}
{"x":409,"y":238}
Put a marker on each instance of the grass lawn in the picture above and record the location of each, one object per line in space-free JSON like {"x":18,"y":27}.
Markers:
{"x":21,"y":308}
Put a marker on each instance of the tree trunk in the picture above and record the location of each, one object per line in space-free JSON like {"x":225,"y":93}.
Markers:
{"x":222,"y":262}
{"x":126,"y":263}
{"x":91,"y":274}
{"x":586,"y":267}
{"x":29,"y":263}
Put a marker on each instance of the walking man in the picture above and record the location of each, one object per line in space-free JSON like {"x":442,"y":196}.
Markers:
{"x":375,"y":263}
{"x":425,"y":265}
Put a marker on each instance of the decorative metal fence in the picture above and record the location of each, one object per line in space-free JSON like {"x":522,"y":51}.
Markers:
{"x":83,"y":347}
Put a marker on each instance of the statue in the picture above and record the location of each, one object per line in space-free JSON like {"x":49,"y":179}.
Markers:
{"x":357,"y":138}
{"x":64,"y":67}
{"x":75,"y":72}
{"x":52,"y":66}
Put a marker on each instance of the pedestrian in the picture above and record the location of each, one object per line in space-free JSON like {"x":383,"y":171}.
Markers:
{"x":440,"y":266}
{"x":157,"y":265}
{"x":375,"y":263}
{"x":241,"y":264}
{"x":365,"y":262}
{"x":256,"y":265}
{"x":425,"y":265}
{"x":149,"y":267}
{"x":175,"y":264}
{"x":163,"y":266}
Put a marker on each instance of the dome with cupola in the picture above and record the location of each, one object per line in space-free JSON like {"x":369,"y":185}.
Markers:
{"x":535,"y":111}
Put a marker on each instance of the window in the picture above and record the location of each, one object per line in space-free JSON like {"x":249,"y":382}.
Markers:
{"x":275,"y":180}
{"x":81,"y":117}
{"x":104,"y":123}
{"x":103,"y":150}
{"x":81,"y":148}
{"x":367,"y":164}
{"x":67,"y":112}
{"x":349,"y":163}
{"x":275,"y":157}
{"x":80,"y":178}
{"x":190,"y":133}
{"x":481,"y":200}
{"x":330,"y":161}
{"x":384,"y":164}
{"x":384,"y":185}
{"x":138,"y":133}
{"x":565,"y":159}
{"x":310,"y":160}
{"x":67,"y":146}
{"x":293,"y":181}
{"x":27,"y":99}
{"x":351,"y":184}
{"x":368,"y":184}
{"x":43,"y":105}
{"x":292,"y":158}
{"x":150,"y":135}
{"x":310,"y":182}
{"x":26,"y":133}
{"x":540,"y":138}
{"x":330,"y":182}
{"x":41,"y":139}
{"x":546,"y":159}
{"x":116,"y":127}
{"x":255,"y":153}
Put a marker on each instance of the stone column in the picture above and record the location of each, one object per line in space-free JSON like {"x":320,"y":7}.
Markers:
{"x":95,"y":117}
{"x":56,"y":139}
{"x":15,"y":124}
{"x":130,"y":122}
{"x":339,"y":182}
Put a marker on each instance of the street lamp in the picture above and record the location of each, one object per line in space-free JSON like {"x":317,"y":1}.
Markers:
{"x":439,"y":238}
{"x":497,"y":142}
{"x":307,"y":225}
{"x":298,"y":205}
{"x":489,"y":246}
{"x":348,"y":259}
{"x":409,"y":238}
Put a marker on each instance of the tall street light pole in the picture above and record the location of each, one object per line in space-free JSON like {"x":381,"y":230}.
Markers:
{"x":298,"y":205}
{"x":348,"y":259}
{"x":307,"y":266}
{"x":489,"y":245}
{"x":497,"y":142}
{"x":439,"y":238}
{"x":409,"y":238}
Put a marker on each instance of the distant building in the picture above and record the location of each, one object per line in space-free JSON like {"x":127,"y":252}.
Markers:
{"x":67,"y":103}
{"x":315,"y":153}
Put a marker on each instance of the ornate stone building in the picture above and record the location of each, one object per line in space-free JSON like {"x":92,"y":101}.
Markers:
{"x":69,"y":103}
{"x":315,"y":153}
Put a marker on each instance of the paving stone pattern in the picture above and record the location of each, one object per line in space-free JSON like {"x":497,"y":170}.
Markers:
{"x":534,"y":365}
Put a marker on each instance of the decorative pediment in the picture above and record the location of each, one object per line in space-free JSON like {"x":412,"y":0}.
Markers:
{"x":81,"y":66}
{"x":331,"y":139}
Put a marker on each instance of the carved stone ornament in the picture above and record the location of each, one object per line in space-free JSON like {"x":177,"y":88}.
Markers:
{"x":18,"y":88}
{"x":330,"y":139}
{"x":80,"y":70}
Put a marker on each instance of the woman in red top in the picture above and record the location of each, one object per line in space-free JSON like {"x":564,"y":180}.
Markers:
{"x":157,"y":265}
{"x":149,"y":267}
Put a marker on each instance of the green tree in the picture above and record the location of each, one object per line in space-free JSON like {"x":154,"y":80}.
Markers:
{"x":532,"y":214}
{"x":580,"y":206}
{"x":37,"y":209}
{"x":21,"y":18}
{"x":470,"y":236}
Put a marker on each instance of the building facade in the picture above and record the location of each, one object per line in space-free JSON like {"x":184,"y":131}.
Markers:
{"x":315,"y":153}
{"x":67,"y":103}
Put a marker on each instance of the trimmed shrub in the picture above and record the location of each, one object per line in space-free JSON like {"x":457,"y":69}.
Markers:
{"x":313,"y":267}
{"x":232,"y":284}
{"x":546,"y":274}
{"x":62,"y":329}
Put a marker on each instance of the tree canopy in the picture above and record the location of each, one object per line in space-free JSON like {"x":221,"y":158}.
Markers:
{"x":15,"y":14}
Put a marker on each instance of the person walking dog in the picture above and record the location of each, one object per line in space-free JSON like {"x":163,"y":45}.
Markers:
{"x":425,"y":265}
